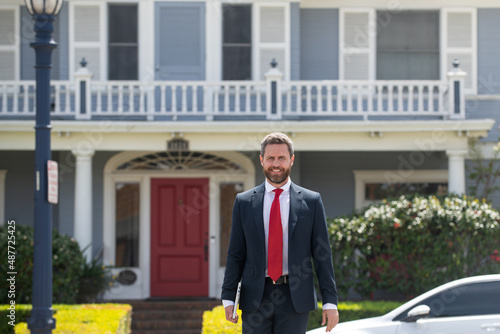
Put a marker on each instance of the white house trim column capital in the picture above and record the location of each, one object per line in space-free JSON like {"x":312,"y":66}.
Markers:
{"x":456,"y":171}
{"x":83,"y":200}
{"x":81,"y":153}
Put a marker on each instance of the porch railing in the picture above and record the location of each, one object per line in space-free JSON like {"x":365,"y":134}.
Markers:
{"x":274,"y":98}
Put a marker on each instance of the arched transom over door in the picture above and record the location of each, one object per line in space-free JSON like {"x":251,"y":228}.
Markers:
{"x":179,"y":239}
{"x":183,"y":160}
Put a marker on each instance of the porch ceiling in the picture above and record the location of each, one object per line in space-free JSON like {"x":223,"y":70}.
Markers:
{"x":432,"y":135}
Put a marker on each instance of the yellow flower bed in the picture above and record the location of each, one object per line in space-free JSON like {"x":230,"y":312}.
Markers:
{"x":214,"y":321}
{"x":88,"y":319}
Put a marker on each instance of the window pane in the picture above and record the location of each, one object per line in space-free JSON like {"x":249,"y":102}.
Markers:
{"x":122,"y":24}
{"x":123,"y":63}
{"x":470,"y":299}
{"x":237,"y":24}
{"x":127,"y":225}
{"x":237,"y":39}
{"x":123,"y":42}
{"x":228,"y":193}
{"x":379,"y":191}
{"x":408,"y":45}
{"x":237,"y":62}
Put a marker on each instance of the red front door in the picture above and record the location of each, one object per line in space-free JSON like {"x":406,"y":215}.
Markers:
{"x":179,"y":237}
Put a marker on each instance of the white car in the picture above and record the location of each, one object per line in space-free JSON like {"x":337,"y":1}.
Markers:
{"x":465,"y":306}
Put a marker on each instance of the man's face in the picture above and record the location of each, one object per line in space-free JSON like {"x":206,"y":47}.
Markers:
{"x":277,"y":164}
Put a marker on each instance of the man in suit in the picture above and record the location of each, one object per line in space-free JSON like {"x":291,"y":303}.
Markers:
{"x":273,"y":260}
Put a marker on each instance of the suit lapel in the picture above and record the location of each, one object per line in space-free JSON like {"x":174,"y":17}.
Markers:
{"x":258,"y":211}
{"x":295,"y":206}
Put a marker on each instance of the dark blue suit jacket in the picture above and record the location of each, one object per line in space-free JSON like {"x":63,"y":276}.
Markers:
{"x":307,"y":243}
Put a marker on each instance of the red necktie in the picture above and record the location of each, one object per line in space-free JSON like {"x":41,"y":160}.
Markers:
{"x":275,"y":241}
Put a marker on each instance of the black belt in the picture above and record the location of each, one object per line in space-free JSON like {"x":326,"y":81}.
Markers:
{"x":282,"y":280}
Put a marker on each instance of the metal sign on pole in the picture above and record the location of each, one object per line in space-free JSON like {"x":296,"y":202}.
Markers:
{"x":52,"y":184}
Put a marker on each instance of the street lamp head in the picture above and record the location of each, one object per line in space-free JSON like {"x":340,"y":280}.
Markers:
{"x":44,"y":7}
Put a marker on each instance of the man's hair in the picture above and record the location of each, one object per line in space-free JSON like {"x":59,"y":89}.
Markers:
{"x":276,"y":138}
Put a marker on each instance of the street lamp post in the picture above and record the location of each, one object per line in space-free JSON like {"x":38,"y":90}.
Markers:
{"x":44,"y":13}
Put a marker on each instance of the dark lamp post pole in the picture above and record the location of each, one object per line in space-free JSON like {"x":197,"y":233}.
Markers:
{"x":44,"y":13}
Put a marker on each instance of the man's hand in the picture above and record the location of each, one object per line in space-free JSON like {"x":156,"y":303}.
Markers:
{"x":332,"y":316}
{"x":229,"y":314}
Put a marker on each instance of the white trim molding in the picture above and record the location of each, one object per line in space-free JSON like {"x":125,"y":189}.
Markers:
{"x":362,"y":177}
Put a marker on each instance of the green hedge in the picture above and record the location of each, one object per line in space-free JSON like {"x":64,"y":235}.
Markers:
{"x":77,"y":319}
{"x":414,"y":243}
{"x":214,"y":321}
{"x":74,"y":280}
{"x":66,"y":261}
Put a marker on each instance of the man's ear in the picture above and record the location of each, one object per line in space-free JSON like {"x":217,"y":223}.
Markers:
{"x":292,"y":159}
{"x":261,"y":160}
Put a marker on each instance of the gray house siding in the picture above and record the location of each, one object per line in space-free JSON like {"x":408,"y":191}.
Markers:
{"x":19,"y":191}
{"x":19,"y":186}
{"x":319,"y":30}
{"x":481,"y":109}
{"x":60,"y":55}
{"x":331,"y":173}
{"x":295,"y":41}
{"x":488,"y":44}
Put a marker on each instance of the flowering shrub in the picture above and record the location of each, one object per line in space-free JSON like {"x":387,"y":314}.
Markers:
{"x":415,"y":243}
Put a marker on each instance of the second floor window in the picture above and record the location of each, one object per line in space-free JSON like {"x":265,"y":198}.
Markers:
{"x":237,"y":42}
{"x":123,"y":42}
{"x":408,"y":45}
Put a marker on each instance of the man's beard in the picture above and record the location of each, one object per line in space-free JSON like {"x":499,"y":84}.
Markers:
{"x":277,"y":179}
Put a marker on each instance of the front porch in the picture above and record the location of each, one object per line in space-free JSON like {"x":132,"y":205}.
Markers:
{"x":272,"y":99}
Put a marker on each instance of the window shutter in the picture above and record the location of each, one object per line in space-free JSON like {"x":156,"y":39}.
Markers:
{"x":9,"y":40}
{"x":87,"y":39}
{"x":459,"y":42}
{"x":357,"y":44}
{"x":272,"y":39}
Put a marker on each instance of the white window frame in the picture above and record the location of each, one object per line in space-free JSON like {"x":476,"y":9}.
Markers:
{"x":257,"y":45}
{"x":3,"y":173}
{"x":15,"y":47}
{"x":445,"y":65}
{"x":101,"y":44}
{"x":362,"y":177}
{"x":371,"y":34}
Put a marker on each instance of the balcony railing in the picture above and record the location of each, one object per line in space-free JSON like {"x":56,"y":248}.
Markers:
{"x":273,"y":98}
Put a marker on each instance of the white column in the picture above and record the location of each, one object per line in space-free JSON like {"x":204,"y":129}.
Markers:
{"x":83,"y":200}
{"x":456,"y":171}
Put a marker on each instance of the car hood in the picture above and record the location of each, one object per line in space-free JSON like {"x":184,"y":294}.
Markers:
{"x":368,"y":325}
